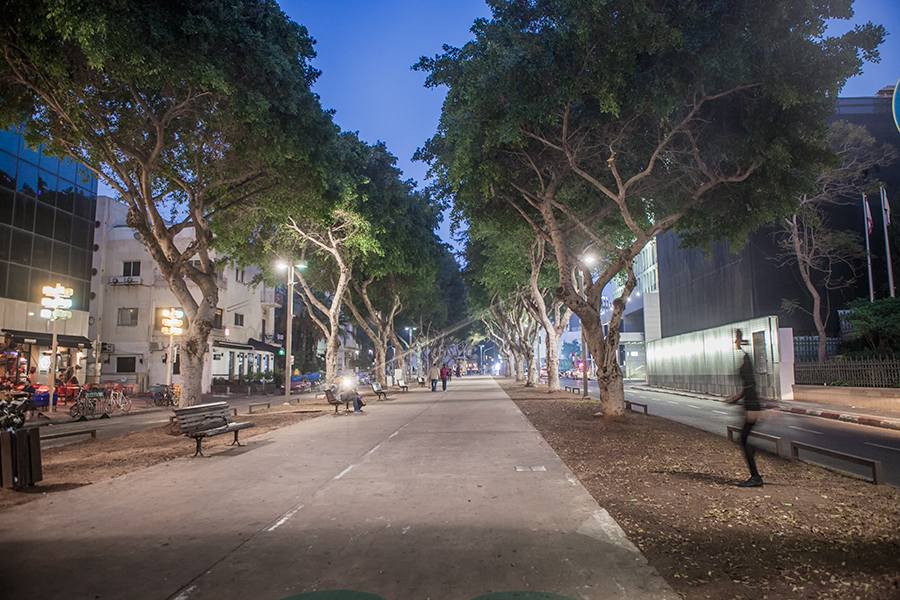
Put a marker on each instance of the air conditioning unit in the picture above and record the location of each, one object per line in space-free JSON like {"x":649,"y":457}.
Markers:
{"x":132,"y":280}
{"x":107,"y":348}
{"x":115,"y":280}
{"x":157,"y":346}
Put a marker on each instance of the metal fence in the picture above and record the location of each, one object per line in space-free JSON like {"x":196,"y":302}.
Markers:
{"x":856,"y":373}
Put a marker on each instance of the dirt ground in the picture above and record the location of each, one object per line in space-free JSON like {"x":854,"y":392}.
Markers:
{"x":807,"y":534}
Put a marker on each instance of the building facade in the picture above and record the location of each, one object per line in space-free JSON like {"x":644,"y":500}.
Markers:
{"x":47,"y":227}
{"x":132,"y":295}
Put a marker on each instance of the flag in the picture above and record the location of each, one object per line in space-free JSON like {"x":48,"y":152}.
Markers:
{"x":869,"y":221}
{"x":885,"y":207}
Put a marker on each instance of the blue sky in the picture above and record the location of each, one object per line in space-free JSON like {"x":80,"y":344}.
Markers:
{"x":366,"y":48}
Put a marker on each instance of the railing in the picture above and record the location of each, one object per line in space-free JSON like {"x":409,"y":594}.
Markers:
{"x":857,"y":373}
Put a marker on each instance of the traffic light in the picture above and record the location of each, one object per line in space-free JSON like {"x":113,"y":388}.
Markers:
{"x":281,"y":351}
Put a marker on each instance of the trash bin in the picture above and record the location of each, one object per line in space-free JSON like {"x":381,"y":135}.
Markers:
{"x":20,"y":458}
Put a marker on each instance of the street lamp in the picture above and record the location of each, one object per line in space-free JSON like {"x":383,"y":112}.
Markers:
{"x":588,"y":260}
{"x":172,"y":326}
{"x":56,"y":303}
{"x":289,"y":354}
{"x":409,"y":354}
{"x":481,"y":363}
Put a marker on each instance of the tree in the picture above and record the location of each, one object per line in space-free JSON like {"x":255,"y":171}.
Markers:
{"x":605,"y":123}
{"x":807,"y":241}
{"x":878,"y":323}
{"x":188,"y":109}
{"x":404,"y":222}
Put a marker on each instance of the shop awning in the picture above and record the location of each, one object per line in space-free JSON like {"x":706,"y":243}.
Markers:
{"x":263,"y":347}
{"x":232,"y":345}
{"x":45,"y":339}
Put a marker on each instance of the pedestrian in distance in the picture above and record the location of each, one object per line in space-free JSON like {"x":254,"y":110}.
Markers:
{"x":434,"y":374}
{"x":752,"y":409}
{"x":346,"y":392}
{"x":445,"y":375}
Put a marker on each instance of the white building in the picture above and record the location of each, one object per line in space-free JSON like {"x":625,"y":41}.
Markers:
{"x":129,"y":295}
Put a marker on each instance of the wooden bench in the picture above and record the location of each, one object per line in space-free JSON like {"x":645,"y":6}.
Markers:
{"x":380,"y":392}
{"x":332,"y":399}
{"x":207,"y":420}
{"x":422,"y":382}
{"x":403,"y":385}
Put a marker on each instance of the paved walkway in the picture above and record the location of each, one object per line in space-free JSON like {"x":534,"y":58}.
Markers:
{"x":446,"y":495}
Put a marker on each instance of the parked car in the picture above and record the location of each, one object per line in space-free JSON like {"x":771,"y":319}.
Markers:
{"x":299,"y":384}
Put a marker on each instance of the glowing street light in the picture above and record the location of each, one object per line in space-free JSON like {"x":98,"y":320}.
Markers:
{"x":171,"y":326}
{"x":588,"y":260}
{"x":289,"y":355}
{"x":56,"y":302}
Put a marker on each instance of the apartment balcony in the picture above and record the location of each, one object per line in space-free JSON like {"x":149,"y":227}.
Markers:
{"x":270,"y":298}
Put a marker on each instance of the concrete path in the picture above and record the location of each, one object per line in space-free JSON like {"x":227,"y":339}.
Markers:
{"x":446,"y":495}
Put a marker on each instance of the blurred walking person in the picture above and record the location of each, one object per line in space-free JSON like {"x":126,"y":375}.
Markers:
{"x":752,"y":410}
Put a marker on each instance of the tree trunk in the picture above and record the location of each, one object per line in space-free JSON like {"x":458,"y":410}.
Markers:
{"x":552,"y":362}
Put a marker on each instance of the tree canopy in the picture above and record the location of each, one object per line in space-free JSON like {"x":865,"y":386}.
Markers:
{"x":605,"y":123}
{"x":189,"y":110}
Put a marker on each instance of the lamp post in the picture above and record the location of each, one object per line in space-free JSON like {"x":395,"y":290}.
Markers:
{"x":172,"y":326}
{"x":587,"y":260}
{"x":481,"y":359}
{"x":56,"y":302}
{"x":289,"y":355}
{"x":409,"y":354}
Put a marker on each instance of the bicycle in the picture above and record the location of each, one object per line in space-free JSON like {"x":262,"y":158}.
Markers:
{"x":166,"y":397}
{"x":117,"y":399}
{"x":85,"y":404}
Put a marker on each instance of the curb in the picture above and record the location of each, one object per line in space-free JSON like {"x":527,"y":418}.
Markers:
{"x":810,"y":412}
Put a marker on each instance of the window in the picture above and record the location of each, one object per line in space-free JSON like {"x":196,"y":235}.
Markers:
{"x":128,"y":317}
{"x":239,"y":275}
{"x":238,"y":320}
{"x":131,"y":269}
{"x":217,"y":320}
{"x":126,"y":364}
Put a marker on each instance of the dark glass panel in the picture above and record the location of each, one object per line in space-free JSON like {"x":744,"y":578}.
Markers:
{"x":18,"y":283}
{"x":7,"y":170}
{"x":5,"y":237}
{"x":63,"y":230}
{"x":47,"y":185}
{"x":9,"y":141}
{"x":79,"y":264}
{"x":4,"y":272}
{"x":43,"y":220}
{"x":23,"y":217}
{"x":26,"y":153}
{"x":65,"y":198}
{"x":67,"y":170}
{"x":82,"y":204}
{"x":83,"y":296}
{"x":20,"y":247}
{"x":60,"y":263}
{"x":81,"y":233}
{"x":7,"y":201}
{"x":49,"y":163}
{"x":38,"y":280}
{"x":41,"y":254}
{"x":27,"y":179}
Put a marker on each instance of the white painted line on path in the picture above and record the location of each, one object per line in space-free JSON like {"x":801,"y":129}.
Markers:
{"x":880,"y":446}
{"x":284,"y":519}
{"x":721,"y":412}
{"x":692,"y":406}
{"x":806,"y":430}
{"x":345,"y":471}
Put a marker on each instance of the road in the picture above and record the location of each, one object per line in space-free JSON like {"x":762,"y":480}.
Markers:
{"x":860,"y":440}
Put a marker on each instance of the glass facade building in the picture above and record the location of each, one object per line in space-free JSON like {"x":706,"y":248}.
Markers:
{"x":47,"y":214}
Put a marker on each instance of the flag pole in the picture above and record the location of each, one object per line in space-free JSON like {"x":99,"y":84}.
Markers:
{"x":886,"y":220}
{"x":867,"y":224}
